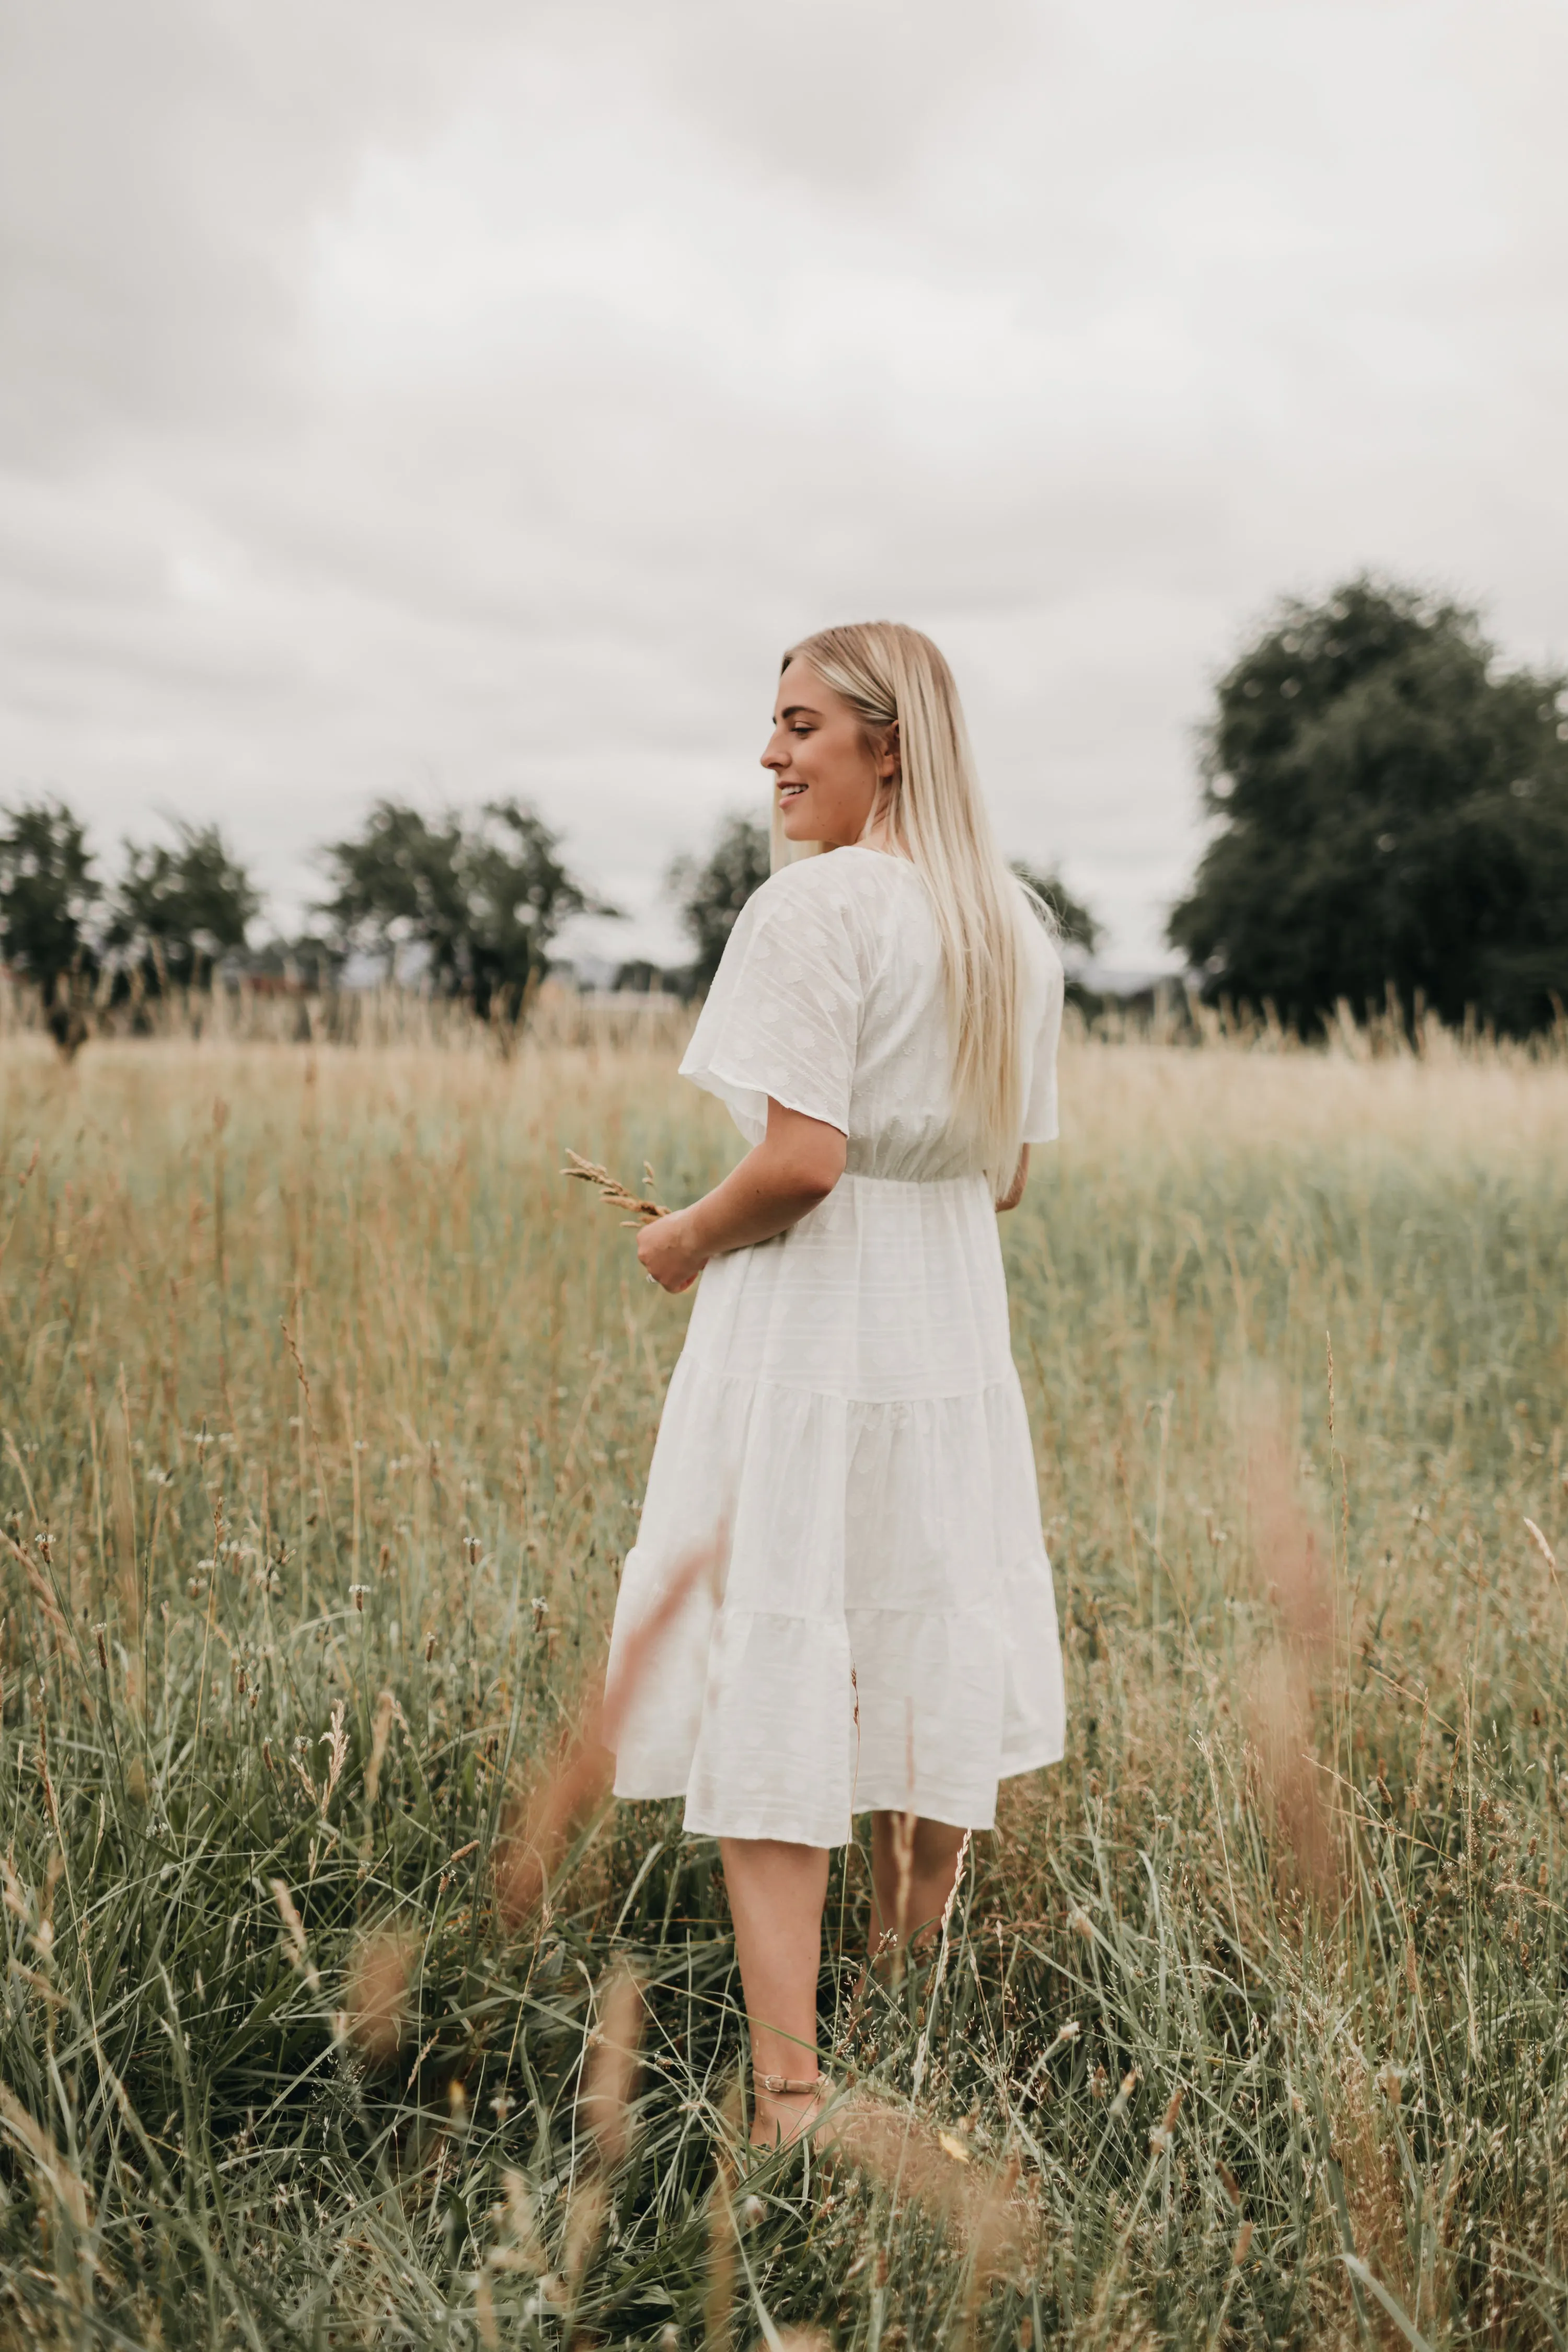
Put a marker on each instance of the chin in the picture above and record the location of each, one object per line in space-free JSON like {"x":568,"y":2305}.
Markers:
{"x":794,"y":820}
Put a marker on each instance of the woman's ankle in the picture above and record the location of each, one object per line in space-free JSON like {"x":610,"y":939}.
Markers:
{"x":784,"y":2107}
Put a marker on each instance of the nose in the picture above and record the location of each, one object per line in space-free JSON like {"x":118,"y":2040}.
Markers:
{"x":774,"y":756}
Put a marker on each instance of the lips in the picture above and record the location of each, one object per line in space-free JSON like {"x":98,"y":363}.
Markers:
{"x":791,"y":792}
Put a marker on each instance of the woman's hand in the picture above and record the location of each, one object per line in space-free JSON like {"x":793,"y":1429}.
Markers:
{"x":666,"y":1251}
{"x":779,"y":1180}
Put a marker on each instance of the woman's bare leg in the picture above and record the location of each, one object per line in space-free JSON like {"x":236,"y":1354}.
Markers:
{"x":917,"y":1862}
{"x":776,"y":1894}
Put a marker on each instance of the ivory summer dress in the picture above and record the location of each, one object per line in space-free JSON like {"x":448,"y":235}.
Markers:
{"x":847,"y":1408}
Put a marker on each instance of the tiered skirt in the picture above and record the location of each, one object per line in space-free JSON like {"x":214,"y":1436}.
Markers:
{"x":844,"y":1438}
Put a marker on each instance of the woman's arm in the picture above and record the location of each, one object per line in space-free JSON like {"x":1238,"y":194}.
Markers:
{"x":797,"y":1163}
{"x":1014,"y":1193}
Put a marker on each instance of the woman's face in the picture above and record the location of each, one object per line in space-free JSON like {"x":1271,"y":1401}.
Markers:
{"x":825,"y":772}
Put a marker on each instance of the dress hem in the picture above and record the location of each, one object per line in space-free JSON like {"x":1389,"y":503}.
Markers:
{"x":759,"y":1825}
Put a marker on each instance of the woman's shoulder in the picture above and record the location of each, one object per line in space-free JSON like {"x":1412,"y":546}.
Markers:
{"x":839,"y":880}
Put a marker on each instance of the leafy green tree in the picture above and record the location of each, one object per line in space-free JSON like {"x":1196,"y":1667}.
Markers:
{"x":482,"y":897}
{"x":48,"y":897}
{"x":178,"y":909}
{"x":49,"y":893}
{"x":711,"y":893}
{"x":1392,"y":812}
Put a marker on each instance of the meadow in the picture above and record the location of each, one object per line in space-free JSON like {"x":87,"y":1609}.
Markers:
{"x":326,"y":1405}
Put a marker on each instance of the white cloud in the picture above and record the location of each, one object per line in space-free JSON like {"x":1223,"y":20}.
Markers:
{"x":476,"y":402}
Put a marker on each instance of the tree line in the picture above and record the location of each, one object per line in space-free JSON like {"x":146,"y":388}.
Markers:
{"x":477,"y":897}
{"x":1388,"y":813}
{"x":473,"y":903}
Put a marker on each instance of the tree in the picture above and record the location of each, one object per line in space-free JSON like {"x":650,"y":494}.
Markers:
{"x":482,"y":897}
{"x":48,"y":893}
{"x":710,"y":895}
{"x":179,"y":908}
{"x":1392,"y":813}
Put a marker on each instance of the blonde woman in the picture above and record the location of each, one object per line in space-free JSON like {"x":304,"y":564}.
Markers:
{"x":883,"y":1030}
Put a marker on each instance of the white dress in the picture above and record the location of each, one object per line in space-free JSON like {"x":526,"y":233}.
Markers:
{"x":848,"y":1411}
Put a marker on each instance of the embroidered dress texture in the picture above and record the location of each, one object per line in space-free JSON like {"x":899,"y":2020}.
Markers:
{"x":846,"y":1404}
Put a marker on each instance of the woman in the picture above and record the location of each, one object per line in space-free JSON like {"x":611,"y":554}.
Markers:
{"x":883,"y":1030}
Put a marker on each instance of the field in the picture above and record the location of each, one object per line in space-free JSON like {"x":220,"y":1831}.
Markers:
{"x":326,"y":1406}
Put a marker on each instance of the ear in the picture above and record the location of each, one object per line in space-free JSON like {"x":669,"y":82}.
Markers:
{"x":888,"y":759}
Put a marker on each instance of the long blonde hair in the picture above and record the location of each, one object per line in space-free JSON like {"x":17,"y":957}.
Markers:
{"x":893,"y":677}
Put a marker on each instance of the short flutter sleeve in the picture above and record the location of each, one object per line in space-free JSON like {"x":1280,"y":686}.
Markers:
{"x":1045,"y":995}
{"x":782,"y":1017}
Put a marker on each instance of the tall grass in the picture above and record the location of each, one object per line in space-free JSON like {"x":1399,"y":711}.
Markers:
{"x":326,"y":1408}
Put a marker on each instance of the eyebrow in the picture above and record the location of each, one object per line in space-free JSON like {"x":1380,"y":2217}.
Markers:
{"x":800,"y":711}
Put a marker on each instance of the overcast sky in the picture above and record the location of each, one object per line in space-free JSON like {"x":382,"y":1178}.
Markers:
{"x":451,"y":401}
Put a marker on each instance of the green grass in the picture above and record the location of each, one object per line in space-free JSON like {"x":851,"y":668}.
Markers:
{"x":316,"y":1383}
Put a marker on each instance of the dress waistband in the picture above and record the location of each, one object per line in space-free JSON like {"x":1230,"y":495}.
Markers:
{"x":924,"y":1185}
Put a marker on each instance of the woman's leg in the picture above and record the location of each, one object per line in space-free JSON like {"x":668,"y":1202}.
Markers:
{"x":913,"y":1866}
{"x":776,"y":1894}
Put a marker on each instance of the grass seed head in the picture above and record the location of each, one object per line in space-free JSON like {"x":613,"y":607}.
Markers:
{"x":613,"y":2065}
{"x":294,"y":1933}
{"x":336,"y":1743}
{"x":974,"y":2202}
{"x":585,"y":2225}
{"x":380,"y":1733}
{"x":50,"y":2162}
{"x":1290,"y":1566}
{"x":719,"y":2286}
{"x":536,"y":1829}
{"x":377,"y":2004}
{"x":525,"y":2252}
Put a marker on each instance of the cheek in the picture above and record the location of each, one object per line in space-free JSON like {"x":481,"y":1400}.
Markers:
{"x":832,"y":765}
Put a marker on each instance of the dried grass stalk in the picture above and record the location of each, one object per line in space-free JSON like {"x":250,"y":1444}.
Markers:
{"x":584,"y":2224}
{"x":380,"y":1733}
{"x":1290,"y":1564}
{"x":122,"y":1511}
{"x":642,"y":1207}
{"x":377,"y":2006}
{"x":974,"y":2202}
{"x":719,"y":2293}
{"x":611,"y":2077}
{"x":294,"y":1931}
{"x":526,"y":2251}
{"x":50,"y":2162}
{"x":537,"y":1828}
